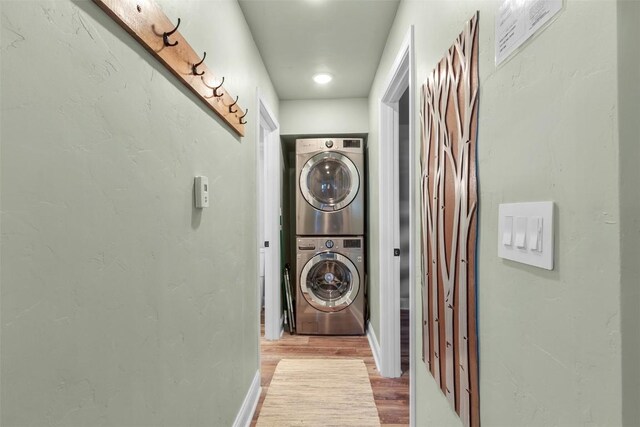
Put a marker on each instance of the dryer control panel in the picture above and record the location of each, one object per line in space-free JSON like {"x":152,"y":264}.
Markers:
{"x":347,"y":145}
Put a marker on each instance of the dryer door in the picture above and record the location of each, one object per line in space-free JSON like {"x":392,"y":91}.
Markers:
{"x":329,"y":181}
{"x":330,"y":282}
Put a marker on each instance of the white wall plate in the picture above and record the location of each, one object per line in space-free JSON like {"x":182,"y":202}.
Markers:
{"x":525,"y":233}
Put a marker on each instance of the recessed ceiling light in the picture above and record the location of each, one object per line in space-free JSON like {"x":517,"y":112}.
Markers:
{"x":322,"y":78}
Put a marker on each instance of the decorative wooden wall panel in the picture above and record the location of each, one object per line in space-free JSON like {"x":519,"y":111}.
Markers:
{"x":449,"y":112}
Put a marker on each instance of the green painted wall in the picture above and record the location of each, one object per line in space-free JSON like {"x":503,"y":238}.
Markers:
{"x":122,"y":305}
{"x":550,"y":341}
{"x":629,"y":99}
{"x":324,"y":116}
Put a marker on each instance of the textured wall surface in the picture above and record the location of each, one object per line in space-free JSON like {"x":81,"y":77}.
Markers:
{"x":324,"y":116}
{"x":550,"y":344}
{"x":629,"y":98}
{"x":122,"y":305}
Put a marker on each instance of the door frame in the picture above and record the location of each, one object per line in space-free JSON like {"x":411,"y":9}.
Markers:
{"x":401,"y":77}
{"x":273,"y":322}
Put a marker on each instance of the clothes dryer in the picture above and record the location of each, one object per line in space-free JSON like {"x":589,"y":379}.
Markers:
{"x":330,"y":286}
{"x":330,"y":195}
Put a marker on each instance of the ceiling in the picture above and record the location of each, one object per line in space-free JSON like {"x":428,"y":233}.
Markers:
{"x":299,"y":38}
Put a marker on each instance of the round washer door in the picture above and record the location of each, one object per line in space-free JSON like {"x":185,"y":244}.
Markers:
{"x":330,"y":282}
{"x":329,"y":181}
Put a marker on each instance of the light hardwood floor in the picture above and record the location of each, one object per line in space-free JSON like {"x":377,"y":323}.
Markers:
{"x":390,"y":394}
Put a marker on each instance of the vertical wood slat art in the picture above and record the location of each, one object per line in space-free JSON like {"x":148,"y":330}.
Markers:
{"x":449,"y":112}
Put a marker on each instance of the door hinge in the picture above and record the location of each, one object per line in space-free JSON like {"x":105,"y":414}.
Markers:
{"x":396,"y":252}
{"x":266,"y":243}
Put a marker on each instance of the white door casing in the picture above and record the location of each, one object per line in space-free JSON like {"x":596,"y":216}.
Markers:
{"x":401,"y":78}
{"x":268,"y":178}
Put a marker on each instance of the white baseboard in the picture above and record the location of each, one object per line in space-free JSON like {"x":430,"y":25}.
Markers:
{"x":373,"y":343}
{"x":245,"y":414}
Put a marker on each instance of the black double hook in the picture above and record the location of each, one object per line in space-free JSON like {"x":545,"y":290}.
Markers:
{"x":215,"y":89}
{"x":234,"y":103}
{"x":194,"y":67}
{"x":165,"y":35}
{"x":243,"y":116}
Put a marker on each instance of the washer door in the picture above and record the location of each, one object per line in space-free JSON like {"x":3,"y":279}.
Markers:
{"x":329,"y":282}
{"x":329,"y":181}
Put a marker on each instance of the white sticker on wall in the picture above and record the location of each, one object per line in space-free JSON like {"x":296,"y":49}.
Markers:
{"x":518,"y":20}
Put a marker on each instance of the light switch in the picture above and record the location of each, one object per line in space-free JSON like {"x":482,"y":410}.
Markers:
{"x":526,"y":233}
{"x":507,"y":231}
{"x":535,"y":234}
{"x":521,"y":232}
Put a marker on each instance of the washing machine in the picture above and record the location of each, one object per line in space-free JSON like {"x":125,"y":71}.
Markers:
{"x":330,"y":195}
{"x":330,"y":285}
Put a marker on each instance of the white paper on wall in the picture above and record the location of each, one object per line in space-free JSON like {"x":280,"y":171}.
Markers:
{"x":518,"y":20}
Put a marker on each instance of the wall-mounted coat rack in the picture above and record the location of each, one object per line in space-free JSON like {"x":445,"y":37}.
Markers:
{"x":144,"y":20}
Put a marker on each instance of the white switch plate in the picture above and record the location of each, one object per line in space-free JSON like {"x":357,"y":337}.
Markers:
{"x":525,"y":233}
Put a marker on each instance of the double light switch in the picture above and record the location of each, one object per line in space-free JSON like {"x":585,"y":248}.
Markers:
{"x":526,"y":233}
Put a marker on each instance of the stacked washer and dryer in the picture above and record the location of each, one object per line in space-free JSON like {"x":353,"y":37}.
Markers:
{"x":330,"y":245}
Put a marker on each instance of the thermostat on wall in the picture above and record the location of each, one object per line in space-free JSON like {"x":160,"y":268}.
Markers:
{"x":202,"y":192}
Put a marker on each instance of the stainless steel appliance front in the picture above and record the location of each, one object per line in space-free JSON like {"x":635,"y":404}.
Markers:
{"x":330,"y":285}
{"x":330,"y":178}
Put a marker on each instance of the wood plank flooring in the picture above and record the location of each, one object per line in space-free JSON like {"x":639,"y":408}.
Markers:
{"x":390,"y":394}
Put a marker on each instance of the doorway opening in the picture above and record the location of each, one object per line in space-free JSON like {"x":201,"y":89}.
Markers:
{"x":397,"y":224}
{"x":268,"y":203}
{"x":404,"y":214}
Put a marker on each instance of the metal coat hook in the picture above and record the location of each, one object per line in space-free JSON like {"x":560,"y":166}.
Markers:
{"x":242,"y":117}
{"x":165,"y":36}
{"x":194,"y":67}
{"x":215,"y":89}
{"x":234,"y":103}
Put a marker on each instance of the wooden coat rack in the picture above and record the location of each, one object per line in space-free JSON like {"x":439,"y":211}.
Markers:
{"x":144,"y":20}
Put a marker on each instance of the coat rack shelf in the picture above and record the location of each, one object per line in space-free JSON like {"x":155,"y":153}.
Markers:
{"x":146,"y":22}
